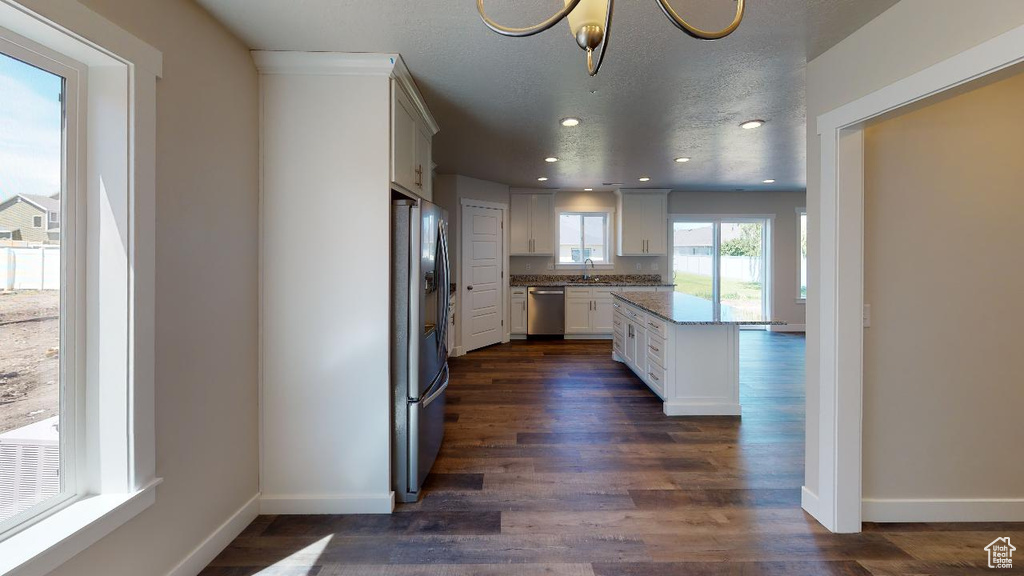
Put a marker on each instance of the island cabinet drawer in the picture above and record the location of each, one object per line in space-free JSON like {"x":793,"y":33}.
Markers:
{"x":635,"y":315}
{"x":617,"y":343}
{"x":619,"y":324}
{"x":657,"y":326}
{"x":655,"y":378}
{"x":656,"y":349}
{"x":575,"y":292}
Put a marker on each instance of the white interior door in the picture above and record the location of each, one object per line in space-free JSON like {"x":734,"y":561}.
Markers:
{"x":482,"y":260}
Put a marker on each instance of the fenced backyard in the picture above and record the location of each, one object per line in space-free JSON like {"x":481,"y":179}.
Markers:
{"x":29,"y":268}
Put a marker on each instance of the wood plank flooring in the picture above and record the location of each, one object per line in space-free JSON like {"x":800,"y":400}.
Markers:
{"x":559,"y":461}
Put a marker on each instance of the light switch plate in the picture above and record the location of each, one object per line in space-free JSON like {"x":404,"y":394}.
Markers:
{"x":551,"y":266}
{"x":639,"y":267}
{"x":654,"y":267}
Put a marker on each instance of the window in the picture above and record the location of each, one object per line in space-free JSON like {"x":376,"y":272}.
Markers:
{"x":49,"y":78}
{"x":802,"y":281}
{"x":54,"y":217}
{"x":37,"y":415}
{"x":583,"y":236}
{"x":725,"y":261}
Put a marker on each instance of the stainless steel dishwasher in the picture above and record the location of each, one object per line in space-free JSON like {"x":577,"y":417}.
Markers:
{"x":545,"y":311}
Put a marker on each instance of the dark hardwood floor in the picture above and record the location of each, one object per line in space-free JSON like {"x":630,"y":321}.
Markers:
{"x":559,"y":461}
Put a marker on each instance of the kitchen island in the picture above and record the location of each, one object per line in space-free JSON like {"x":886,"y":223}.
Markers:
{"x":686,"y":354}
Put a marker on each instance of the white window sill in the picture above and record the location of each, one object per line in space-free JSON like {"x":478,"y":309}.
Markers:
{"x":41,"y":548}
{"x":801,"y":301}
{"x":575,"y":266}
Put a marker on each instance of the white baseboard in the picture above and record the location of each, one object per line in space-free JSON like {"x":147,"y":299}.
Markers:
{"x":458,"y":351}
{"x":329,"y":504}
{"x":217,"y":541}
{"x":936,"y":510}
{"x":679,"y":408}
{"x":788,"y":328}
{"x":810,"y":503}
{"x":588,"y":336}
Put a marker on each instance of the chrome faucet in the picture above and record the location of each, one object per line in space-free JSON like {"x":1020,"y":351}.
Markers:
{"x":592,"y":267}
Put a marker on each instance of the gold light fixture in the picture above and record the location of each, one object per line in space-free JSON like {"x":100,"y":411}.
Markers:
{"x":590,"y":22}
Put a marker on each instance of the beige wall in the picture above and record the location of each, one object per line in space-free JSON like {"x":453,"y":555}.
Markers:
{"x":206,"y":295}
{"x":907,"y":38}
{"x":943,"y":274}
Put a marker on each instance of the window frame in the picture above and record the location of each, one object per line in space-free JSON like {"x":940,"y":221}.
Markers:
{"x":116,"y":250}
{"x":72,"y":393}
{"x":609,"y":235}
{"x":801,"y":298}
{"x":767,"y":259}
{"x":53,"y":217}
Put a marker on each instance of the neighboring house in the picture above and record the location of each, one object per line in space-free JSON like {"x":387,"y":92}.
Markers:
{"x":693,"y":242}
{"x":31,"y":218}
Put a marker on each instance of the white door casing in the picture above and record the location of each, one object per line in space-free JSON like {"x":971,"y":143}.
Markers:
{"x":482,"y":275}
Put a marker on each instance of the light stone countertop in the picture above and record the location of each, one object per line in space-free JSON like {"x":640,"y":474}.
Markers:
{"x":684,"y":309}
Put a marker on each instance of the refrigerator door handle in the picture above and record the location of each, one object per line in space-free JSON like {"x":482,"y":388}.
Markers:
{"x":442,"y":339}
{"x":440,"y":389}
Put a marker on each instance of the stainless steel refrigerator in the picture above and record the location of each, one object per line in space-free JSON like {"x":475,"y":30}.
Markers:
{"x":420,"y":314}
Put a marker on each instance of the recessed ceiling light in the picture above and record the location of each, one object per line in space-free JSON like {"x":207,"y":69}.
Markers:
{"x":769,"y":181}
{"x":751,"y":124}
{"x":570,"y":122}
{"x":645,"y":179}
{"x":682,"y":160}
{"x":588,"y":189}
{"x":542,"y":179}
{"x":551,"y":159}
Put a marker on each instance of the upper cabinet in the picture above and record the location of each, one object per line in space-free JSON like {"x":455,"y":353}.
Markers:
{"x":412,"y":133}
{"x":531,"y":224}
{"x":643,"y":222}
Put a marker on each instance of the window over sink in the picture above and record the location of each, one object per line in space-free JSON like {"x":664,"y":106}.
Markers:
{"x":582,"y":236}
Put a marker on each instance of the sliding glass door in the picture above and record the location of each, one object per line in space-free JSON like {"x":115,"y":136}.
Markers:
{"x":723,"y":261}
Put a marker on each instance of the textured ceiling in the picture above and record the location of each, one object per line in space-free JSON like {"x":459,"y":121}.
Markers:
{"x":660,"y":94}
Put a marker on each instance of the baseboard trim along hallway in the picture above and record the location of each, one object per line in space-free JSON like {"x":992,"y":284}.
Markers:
{"x":329,"y":504}
{"x":218,"y":540}
{"x":963,"y":510}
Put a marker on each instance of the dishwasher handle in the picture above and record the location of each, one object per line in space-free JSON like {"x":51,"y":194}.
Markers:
{"x":548,"y":292}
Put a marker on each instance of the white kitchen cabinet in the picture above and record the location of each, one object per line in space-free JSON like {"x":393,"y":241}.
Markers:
{"x":589,"y":310}
{"x":411,"y":144}
{"x":517,"y":309}
{"x":643,"y":223}
{"x":577,"y":315}
{"x":531,"y":224}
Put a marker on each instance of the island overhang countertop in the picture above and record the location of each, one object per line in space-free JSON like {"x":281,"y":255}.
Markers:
{"x":687,"y":310}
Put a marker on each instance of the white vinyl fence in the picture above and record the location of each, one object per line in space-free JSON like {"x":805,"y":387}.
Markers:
{"x":742,"y":268}
{"x":30,"y":268}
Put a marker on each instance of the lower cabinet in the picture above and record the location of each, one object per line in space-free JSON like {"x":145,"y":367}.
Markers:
{"x":640,"y":346}
{"x":589,"y":310}
{"x":517,"y":310}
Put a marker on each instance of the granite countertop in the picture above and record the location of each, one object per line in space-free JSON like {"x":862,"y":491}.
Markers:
{"x":684,"y":309}
{"x":577,"y":280}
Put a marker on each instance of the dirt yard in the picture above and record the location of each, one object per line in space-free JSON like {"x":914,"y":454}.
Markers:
{"x":29,"y":357}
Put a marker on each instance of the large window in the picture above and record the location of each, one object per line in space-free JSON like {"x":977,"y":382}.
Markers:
{"x":724,"y":261}
{"x":583,"y":236}
{"x":802,"y":286}
{"x":36,"y":380}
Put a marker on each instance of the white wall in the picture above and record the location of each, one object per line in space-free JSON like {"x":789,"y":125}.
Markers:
{"x":206,"y":296}
{"x":909,"y":37}
{"x":943,"y":276}
{"x":326,"y":284}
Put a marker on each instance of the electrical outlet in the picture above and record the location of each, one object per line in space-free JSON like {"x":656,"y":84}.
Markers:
{"x":867,"y":315}
{"x":639,"y":267}
{"x":551,"y":266}
{"x":529,"y":267}
{"x":654,"y":267}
